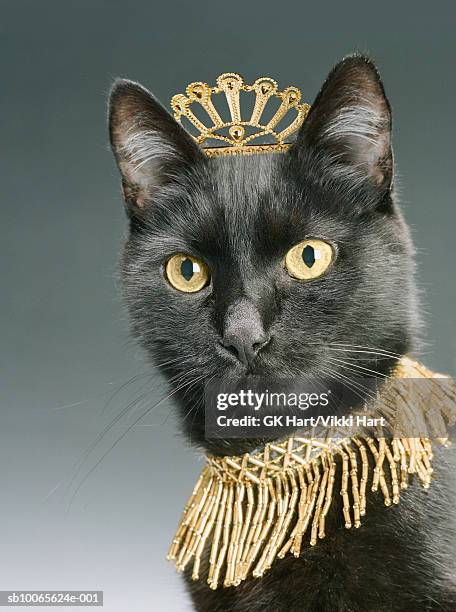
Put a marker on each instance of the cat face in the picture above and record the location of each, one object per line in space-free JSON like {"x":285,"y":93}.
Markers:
{"x":278,"y":264}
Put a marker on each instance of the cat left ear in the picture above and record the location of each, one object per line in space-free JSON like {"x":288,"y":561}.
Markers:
{"x":150,"y":147}
{"x":350,"y":121}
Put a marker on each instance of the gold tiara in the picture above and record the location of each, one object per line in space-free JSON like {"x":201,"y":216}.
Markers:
{"x":256,"y":134}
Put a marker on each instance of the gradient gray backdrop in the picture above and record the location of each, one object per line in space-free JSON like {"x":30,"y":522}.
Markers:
{"x":65,"y":350}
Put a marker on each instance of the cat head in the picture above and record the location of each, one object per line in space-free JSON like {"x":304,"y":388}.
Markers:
{"x":280,"y":264}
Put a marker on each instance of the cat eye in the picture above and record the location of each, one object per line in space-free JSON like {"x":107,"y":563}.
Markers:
{"x":187,"y":273}
{"x":309,"y":259}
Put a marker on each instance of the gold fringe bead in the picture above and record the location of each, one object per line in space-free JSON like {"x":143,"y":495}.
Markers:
{"x":246,"y":511}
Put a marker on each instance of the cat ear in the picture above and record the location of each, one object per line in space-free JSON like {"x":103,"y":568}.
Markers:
{"x":350,"y":121}
{"x":150,"y":147}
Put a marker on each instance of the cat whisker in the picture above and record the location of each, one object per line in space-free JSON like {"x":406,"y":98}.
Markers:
{"x":101,"y":435}
{"x":195,"y":407}
{"x":357,"y":348}
{"x":377,"y":356}
{"x":360,"y":348}
{"x":178,"y":360}
{"x":355,"y":386}
{"x":116,"y":419}
{"x":131,"y":381}
{"x":358,"y":367}
{"x":348,"y":367}
{"x":116,"y":442}
{"x":364,"y":388}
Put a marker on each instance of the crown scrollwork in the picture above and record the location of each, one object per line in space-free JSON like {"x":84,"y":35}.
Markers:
{"x":241,"y":134}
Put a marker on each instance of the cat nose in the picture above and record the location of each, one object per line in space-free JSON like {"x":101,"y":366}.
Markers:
{"x":244,"y":334}
{"x":245,"y":343}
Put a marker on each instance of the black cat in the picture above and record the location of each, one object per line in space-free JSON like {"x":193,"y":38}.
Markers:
{"x":239,"y":216}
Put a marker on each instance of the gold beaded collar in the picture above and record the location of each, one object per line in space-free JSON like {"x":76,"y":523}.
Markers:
{"x":246,"y":511}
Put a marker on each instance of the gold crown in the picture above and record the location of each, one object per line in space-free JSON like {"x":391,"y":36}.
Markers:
{"x":241,"y":136}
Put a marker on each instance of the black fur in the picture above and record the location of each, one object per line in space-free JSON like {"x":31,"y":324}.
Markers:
{"x":241,"y":215}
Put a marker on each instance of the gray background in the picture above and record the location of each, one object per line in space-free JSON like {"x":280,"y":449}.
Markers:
{"x":64,"y":335}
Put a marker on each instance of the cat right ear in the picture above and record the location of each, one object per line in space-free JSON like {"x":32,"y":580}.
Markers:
{"x":150,"y":147}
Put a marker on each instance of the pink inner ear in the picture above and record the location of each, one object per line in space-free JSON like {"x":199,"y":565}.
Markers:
{"x":133,"y":195}
{"x":381,"y":162}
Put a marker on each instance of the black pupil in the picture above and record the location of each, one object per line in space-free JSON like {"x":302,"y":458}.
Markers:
{"x":187,"y":269}
{"x":308,"y":256}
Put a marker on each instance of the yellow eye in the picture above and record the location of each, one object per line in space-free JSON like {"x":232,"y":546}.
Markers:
{"x":309,"y":259}
{"x":186,"y":273}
